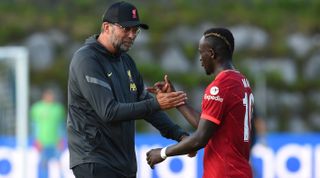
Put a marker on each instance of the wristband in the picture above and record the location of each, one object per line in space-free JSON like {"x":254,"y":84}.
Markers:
{"x":163,"y":153}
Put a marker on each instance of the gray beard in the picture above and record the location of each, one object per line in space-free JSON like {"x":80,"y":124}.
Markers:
{"x":117,"y":44}
{"x":122,"y":48}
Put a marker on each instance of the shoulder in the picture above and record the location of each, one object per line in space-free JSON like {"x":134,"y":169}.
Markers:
{"x":36,"y":106}
{"x":85,"y":52}
{"x":59,"y":107}
{"x":85,"y":57}
{"x":229,"y":77}
{"x":225,"y":81}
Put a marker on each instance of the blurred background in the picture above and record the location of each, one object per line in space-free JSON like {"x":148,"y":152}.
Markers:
{"x":277,"y":46}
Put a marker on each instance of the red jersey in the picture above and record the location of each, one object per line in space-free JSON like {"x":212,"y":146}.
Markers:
{"x":228,"y":103}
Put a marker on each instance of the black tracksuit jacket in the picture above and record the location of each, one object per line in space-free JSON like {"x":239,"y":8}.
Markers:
{"x":105,"y":96}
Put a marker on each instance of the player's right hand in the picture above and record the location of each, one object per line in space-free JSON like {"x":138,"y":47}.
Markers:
{"x":168,"y":86}
{"x":162,"y":86}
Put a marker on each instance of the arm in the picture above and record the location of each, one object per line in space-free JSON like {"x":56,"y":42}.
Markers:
{"x":167,"y":128}
{"x":162,"y":122}
{"x":34,"y":128}
{"x":191,"y":115}
{"x":90,"y":86}
{"x":190,"y":144}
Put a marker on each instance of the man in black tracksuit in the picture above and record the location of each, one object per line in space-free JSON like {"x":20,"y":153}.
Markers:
{"x":106,"y":95}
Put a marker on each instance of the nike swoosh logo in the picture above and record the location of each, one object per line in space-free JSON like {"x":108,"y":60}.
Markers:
{"x":109,"y":74}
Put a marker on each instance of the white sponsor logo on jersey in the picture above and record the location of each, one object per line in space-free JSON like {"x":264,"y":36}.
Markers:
{"x":215,"y":98}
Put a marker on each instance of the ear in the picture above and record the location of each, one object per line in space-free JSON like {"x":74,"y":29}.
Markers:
{"x":212,"y":53}
{"x":105,"y":26}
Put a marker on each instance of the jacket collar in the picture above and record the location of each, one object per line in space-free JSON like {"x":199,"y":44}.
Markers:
{"x":92,"y":41}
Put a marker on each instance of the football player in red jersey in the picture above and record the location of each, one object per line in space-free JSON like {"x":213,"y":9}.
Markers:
{"x":224,"y":125}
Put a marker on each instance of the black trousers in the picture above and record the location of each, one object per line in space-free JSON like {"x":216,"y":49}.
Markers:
{"x":95,"y":170}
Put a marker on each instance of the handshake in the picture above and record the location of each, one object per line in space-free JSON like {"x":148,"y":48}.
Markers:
{"x":166,"y":95}
{"x":168,"y":98}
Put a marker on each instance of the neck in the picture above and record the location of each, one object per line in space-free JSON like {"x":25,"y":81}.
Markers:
{"x":227,"y":65}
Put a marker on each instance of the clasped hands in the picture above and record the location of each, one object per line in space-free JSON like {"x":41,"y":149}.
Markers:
{"x":166,"y":95}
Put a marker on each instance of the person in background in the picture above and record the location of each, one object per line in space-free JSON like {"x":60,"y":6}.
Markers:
{"x":223,"y":127}
{"x":48,"y":125}
{"x":106,"y":94}
{"x":259,"y":128}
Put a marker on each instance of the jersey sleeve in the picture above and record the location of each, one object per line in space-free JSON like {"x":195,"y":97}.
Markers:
{"x":213,"y":102}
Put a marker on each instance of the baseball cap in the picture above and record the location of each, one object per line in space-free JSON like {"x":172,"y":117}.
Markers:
{"x":124,"y":14}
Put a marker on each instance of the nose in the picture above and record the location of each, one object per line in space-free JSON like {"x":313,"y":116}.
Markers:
{"x":132,"y":34}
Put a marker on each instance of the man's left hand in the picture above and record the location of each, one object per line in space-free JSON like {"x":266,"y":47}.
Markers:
{"x":153,"y":157}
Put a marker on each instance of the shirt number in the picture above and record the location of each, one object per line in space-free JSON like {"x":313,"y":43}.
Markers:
{"x":247,"y":102}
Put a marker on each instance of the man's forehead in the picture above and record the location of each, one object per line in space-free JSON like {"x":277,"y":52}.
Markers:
{"x":203,"y":42}
{"x":202,"y":39}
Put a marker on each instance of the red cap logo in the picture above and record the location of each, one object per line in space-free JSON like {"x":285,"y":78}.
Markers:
{"x":134,"y":13}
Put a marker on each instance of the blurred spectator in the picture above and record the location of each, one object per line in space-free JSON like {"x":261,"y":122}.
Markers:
{"x":48,"y":118}
{"x":259,"y":128}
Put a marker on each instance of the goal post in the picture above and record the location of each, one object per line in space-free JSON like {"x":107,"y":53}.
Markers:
{"x":14,"y":89}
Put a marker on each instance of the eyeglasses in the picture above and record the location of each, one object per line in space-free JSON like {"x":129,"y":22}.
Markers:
{"x":135,"y":30}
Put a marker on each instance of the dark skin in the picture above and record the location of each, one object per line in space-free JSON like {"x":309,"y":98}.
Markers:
{"x":116,"y":39}
{"x":213,"y":64}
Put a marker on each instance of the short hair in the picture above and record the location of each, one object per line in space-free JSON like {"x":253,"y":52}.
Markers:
{"x":221,"y":39}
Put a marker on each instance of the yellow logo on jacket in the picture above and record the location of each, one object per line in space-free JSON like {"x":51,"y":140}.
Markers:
{"x":133,"y":86}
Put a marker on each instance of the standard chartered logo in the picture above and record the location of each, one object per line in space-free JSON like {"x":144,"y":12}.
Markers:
{"x":290,"y":157}
{"x":11,"y":165}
